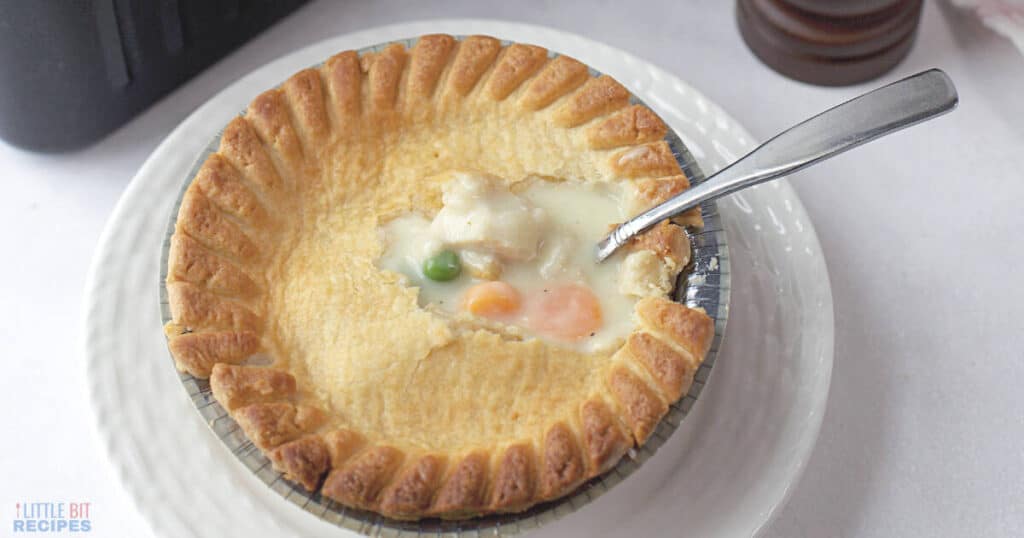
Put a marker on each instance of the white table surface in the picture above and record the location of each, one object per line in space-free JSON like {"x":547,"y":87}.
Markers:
{"x":924,"y":433}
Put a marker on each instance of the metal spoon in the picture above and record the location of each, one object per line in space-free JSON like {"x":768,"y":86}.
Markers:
{"x":875,"y":114}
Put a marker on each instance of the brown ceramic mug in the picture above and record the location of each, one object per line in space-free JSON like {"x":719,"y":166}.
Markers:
{"x":829,"y":42}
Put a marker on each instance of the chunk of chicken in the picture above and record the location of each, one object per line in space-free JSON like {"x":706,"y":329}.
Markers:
{"x":480,"y":214}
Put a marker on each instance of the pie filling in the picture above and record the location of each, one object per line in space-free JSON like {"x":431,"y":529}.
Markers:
{"x":521,"y":259}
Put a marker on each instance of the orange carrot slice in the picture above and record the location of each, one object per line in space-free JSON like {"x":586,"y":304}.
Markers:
{"x":493,"y":299}
{"x":567,"y":312}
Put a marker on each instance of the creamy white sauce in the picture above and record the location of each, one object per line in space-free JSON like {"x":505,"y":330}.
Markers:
{"x":540,"y":237}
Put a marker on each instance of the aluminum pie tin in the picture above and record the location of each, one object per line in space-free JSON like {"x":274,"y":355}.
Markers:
{"x":704,"y":284}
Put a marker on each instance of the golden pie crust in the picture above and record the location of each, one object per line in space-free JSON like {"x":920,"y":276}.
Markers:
{"x":360,"y":393}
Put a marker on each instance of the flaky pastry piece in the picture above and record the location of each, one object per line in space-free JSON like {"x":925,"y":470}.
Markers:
{"x":222,"y":269}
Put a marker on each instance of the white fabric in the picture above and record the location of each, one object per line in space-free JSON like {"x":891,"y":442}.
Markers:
{"x":1003,"y":16}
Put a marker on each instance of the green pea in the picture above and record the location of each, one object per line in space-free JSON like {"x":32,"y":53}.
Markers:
{"x":443,"y":266}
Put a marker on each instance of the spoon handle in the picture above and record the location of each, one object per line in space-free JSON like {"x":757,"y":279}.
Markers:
{"x":862,"y":119}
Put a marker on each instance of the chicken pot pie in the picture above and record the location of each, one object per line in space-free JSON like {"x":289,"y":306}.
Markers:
{"x":386,"y":272}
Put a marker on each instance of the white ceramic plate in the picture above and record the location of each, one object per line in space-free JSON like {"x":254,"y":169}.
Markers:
{"x":726,"y":470}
